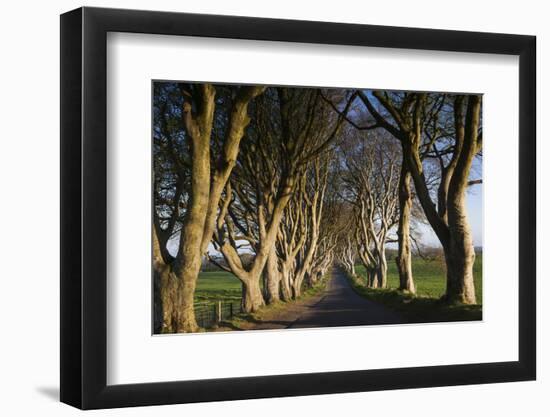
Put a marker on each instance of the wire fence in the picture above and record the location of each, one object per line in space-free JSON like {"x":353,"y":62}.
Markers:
{"x":213,"y":313}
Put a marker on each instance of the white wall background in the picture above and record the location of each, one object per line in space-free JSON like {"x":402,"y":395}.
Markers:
{"x":29,"y":212}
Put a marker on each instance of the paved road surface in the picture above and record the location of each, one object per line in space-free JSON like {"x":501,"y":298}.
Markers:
{"x":342,"y":306}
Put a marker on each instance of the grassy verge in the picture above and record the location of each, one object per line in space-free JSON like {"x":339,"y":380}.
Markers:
{"x":429,"y":277}
{"x":420,"y":308}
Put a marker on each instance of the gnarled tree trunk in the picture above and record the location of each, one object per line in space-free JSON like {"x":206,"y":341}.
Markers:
{"x":448,"y":219}
{"x":459,"y":253}
{"x":252,"y":297}
{"x":188,"y":262}
{"x":297,"y":288}
{"x":272,"y":277}
{"x":460,"y":259}
{"x":286,"y":291}
{"x":177,"y":280}
{"x":372,"y":280}
{"x":175,"y":295}
{"x":251,"y":276}
{"x":451,"y":225}
{"x":382,"y":269}
{"x":404,"y":257}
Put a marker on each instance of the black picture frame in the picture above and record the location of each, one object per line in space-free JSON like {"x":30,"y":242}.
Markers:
{"x":84,"y":207}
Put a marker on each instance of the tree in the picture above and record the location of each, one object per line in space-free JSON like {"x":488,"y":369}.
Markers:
{"x":329,"y":226}
{"x":370,"y":181}
{"x":314,"y":198}
{"x":347,"y":253}
{"x":192,"y":135}
{"x":292,"y":127}
{"x":419,"y":121}
{"x":405,"y":200}
{"x":301,"y":241}
{"x":450,"y":220}
{"x":291,"y":238}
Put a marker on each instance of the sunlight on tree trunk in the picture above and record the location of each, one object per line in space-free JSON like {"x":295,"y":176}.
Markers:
{"x":252,"y":298}
{"x":404,"y":257}
{"x":272,"y":277}
{"x":459,"y":253}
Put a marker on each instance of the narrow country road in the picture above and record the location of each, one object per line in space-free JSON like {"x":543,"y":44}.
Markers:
{"x":340,"y":305}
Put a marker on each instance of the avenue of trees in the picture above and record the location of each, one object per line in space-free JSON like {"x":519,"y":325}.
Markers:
{"x":278,"y":184}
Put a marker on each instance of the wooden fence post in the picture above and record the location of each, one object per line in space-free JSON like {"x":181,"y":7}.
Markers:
{"x":219,"y":312}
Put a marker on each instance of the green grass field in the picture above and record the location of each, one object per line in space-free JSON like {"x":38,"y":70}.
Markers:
{"x":429,"y":277}
{"x":213,"y":288}
{"x":217,"y":286}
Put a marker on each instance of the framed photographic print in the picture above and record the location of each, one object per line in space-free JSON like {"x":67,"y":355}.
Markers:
{"x":258,"y":208}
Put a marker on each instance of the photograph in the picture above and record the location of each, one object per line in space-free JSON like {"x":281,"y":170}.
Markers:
{"x":288,"y":207}
{"x":268,"y":209}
